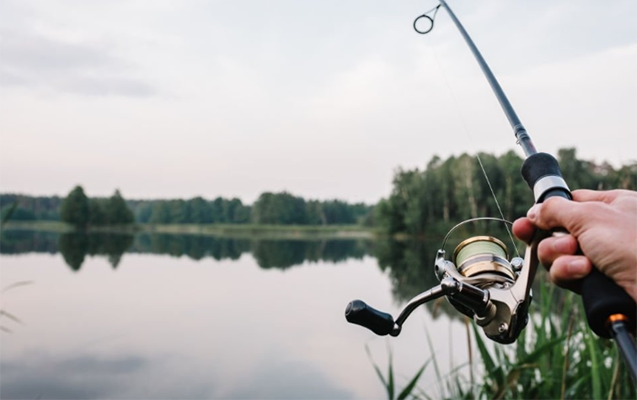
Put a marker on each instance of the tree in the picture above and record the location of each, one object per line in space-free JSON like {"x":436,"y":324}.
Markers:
{"x":279,"y":208}
{"x":200,"y":211}
{"x":116,"y":211}
{"x":218,"y":207}
{"x":160,"y":213}
{"x":75,"y":209}
{"x":96,"y":215}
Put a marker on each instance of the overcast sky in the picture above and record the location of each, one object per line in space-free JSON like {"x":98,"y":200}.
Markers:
{"x":324,"y":99}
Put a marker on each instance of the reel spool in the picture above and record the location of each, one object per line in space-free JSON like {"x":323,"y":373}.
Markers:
{"x":483,"y":256}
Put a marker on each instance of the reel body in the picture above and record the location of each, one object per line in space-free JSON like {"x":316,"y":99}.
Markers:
{"x":492,"y":289}
{"x":480,"y":281}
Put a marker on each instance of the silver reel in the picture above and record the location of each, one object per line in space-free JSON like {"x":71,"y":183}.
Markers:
{"x":480,"y":281}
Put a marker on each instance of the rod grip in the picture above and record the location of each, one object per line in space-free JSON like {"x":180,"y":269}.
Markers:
{"x":357,"y":312}
{"x":602,"y":297}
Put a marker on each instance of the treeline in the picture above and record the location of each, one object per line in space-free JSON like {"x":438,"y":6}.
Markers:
{"x":193,"y":211}
{"x":445,"y":191}
{"x":270,"y":209}
{"x":30,"y":208}
{"x":286,"y":209}
{"x":455,"y":189}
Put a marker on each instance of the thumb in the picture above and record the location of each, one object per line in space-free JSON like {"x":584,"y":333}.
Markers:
{"x":557,"y":212}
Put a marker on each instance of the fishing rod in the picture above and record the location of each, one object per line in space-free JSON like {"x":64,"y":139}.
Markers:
{"x":482,"y":282}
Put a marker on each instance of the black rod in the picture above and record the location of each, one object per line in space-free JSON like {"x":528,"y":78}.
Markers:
{"x":603,"y":298}
{"x":626,"y":345}
{"x":521,"y":135}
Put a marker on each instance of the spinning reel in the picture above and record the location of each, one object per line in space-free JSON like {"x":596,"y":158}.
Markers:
{"x":480,"y":281}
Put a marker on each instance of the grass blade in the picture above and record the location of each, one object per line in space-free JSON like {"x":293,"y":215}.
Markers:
{"x":410,"y":386}
{"x":7,"y":216}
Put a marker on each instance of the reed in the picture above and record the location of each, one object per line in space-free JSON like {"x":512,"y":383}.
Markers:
{"x":558,"y":357}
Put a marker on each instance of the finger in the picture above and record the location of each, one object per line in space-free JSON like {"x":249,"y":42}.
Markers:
{"x":607,"y":196}
{"x":556,"y":246}
{"x":567,"y":271}
{"x":523,"y":229}
{"x":557,"y":212}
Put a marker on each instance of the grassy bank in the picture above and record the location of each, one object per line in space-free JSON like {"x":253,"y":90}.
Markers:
{"x":556,"y":357}
{"x":226,"y":230}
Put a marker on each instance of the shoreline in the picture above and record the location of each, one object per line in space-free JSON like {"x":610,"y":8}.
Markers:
{"x":226,"y":230}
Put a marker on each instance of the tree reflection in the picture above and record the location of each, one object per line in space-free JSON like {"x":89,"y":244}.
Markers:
{"x":280,"y":254}
{"x":193,"y":246}
{"x":19,"y":241}
{"x":408,"y":263}
{"x":76,"y":246}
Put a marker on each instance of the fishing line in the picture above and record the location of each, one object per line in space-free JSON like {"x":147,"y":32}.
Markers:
{"x":480,"y":281}
{"x":468,"y":133}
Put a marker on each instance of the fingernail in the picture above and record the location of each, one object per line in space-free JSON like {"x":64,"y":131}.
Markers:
{"x":533,"y":211}
{"x":577,"y":268}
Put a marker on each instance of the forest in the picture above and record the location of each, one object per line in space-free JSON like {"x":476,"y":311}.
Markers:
{"x":444,"y":191}
{"x":270,"y":209}
{"x":455,"y":189}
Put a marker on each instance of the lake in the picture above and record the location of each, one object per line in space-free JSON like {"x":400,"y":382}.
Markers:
{"x":184,"y":316}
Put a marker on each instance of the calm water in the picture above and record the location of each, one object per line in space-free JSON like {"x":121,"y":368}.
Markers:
{"x":175,"y":316}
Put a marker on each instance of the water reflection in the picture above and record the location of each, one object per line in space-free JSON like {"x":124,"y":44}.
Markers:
{"x":409,"y":263}
{"x":76,"y":246}
{"x":280,"y":254}
{"x":173,"y":327}
{"x":79,"y":376}
{"x":195,"y":247}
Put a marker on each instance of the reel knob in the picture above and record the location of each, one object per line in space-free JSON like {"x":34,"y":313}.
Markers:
{"x":359,"y":313}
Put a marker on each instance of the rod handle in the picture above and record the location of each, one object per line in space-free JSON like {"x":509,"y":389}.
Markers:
{"x":602,"y":297}
{"x":359,"y":313}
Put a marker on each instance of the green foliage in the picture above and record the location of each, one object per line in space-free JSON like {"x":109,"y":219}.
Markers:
{"x":74,"y":209}
{"x":556,"y":357}
{"x":31,"y":208}
{"x":97,"y":215}
{"x":456,"y":189}
{"x":559,"y":357}
{"x":7,"y":212}
{"x":389,"y":380}
{"x":193,"y":211}
{"x":279,"y":208}
{"x":80,"y":211}
{"x":116,"y":212}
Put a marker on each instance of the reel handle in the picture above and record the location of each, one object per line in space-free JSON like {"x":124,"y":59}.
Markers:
{"x":602,"y":297}
{"x":359,"y":313}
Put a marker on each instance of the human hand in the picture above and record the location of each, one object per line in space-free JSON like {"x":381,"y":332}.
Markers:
{"x":603,"y":224}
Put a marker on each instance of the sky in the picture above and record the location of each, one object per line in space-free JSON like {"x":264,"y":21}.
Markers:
{"x":324,"y":99}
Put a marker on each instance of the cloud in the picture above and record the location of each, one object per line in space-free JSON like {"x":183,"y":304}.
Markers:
{"x":286,"y":380}
{"x":79,"y":377}
{"x":32,"y":60}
